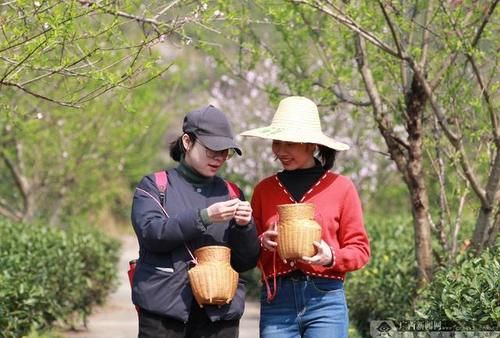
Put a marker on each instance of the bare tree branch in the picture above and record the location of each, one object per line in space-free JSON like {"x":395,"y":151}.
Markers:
{"x":153,"y":22}
{"x":150,"y":78}
{"x":60,"y":69}
{"x":493,"y":234}
{"x":438,"y":166}
{"x":486,"y":19}
{"x":452,"y":137}
{"x":45,"y":31}
{"x":336,"y":89}
{"x":164,"y":10}
{"x":426,"y":34}
{"x":408,"y":42}
{"x":383,"y":124}
{"x":452,"y":58}
{"x":9,"y":213}
{"x":391,"y":27}
{"x":475,"y":68}
{"x":40,"y":96}
{"x":21,"y":182}
{"x":351,"y":24}
{"x":343,"y":96}
{"x":23,"y":84}
{"x":458,"y":222}
{"x":9,"y":71}
{"x":484,"y":92}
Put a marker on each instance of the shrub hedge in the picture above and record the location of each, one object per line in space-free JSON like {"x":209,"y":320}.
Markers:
{"x":385,"y":287}
{"x":51,"y":275}
{"x":467,"y":294}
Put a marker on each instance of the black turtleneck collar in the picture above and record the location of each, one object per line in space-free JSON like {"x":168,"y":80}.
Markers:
{"x":191,"y":175}
{"x":298,"y":182}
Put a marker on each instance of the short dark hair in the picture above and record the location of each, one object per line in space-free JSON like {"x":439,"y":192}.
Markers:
{"x":177,"y":148}
{"x":327,"y":156}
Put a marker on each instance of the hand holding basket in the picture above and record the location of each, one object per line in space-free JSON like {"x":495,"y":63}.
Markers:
{"x":297,"y":230}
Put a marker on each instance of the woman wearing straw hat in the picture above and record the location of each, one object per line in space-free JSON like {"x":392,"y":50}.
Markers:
{"x":194,"y":208}
{"x":305,"y":297}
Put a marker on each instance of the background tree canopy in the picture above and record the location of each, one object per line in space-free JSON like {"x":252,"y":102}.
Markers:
{"x":91,"y":92}
{"x":424,"y":71}
{"x":84,"y":91}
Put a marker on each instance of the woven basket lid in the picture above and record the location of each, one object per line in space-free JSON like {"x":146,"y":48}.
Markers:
{"x":213,"y":254}
{"x":296,"y":210}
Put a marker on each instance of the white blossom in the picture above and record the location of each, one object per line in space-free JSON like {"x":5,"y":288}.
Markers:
{"x":218,"y":13}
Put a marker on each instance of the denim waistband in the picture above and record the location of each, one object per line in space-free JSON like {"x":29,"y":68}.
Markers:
{"x":299,"y":275}
{"x":296,"y":275}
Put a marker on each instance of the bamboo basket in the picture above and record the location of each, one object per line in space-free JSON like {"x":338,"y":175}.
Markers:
{"x":213,"y":280}
{"x":297,"y":230}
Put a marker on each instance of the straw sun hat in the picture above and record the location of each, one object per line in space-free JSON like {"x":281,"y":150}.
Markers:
{"x":296,"y":120}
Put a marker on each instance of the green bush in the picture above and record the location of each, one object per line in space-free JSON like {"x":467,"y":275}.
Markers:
{"x":383,"y":289}
{"x":254,"y":284}
{"x":51,"y":275}
{"x":467,"y":294}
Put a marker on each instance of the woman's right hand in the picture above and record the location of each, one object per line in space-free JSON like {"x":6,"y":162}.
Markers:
{"x":222,"y":211}
{"x":268,"y":239}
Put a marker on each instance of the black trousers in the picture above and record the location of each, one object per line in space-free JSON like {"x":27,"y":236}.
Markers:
{"x":198,"y":326}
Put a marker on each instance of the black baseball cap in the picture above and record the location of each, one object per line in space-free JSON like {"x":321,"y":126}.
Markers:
{"x":211,"y":127}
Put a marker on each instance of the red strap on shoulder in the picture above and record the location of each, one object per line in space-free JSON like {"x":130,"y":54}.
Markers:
{"x":161,"y":180}
{"x":234,"y":192}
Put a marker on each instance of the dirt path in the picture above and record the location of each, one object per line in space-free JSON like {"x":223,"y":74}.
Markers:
{"x":118,"y":319}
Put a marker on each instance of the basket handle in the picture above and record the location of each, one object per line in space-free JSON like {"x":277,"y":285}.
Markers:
{"x":193,"y":259}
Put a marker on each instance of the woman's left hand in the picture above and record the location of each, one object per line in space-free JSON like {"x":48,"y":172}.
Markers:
{"x":243,"y":213}
{"x":324,"y":255}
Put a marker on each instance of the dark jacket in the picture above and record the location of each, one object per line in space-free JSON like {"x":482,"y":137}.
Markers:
{"x":160,"y":282}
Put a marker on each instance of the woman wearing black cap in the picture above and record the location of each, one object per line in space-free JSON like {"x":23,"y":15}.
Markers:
{"x":198,"y":211}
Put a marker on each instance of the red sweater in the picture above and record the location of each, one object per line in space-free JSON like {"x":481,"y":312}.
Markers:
{"x":338,"y":209}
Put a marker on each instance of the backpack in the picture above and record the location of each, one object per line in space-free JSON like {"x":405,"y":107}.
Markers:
{"x":161,"y":181}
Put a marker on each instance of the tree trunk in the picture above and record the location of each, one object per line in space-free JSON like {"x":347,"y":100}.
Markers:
{"x":408,"y":157}
{"x":423,"y":248}
{"x":415,"y":105}
{"x":486,"y":226}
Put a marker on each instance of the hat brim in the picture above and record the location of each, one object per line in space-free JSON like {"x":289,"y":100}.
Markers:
{"x":297,"y":136}
{"x":219,"y":143}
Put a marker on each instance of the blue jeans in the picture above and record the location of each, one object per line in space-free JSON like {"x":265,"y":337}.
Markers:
{"x":306,"y":307}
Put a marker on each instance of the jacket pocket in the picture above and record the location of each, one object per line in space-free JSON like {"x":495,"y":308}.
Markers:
{"x":164,"y":291}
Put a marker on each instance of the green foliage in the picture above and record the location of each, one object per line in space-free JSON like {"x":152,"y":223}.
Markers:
{"x":392,"y":199}
{"x":74,"y":161}
{"x":383,"y":289}
{"x":52,"y":275}
{"x":254,"y":284}
{"x":82,"y":111}
{"x":46,"y":54}
{"x":43,"y":334}
{"x":467,"y":293}
{"x":313,"y":47}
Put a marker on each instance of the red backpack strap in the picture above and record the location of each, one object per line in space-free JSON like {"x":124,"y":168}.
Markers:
{"x":234,"y":192}
{"x":161,"y":180}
